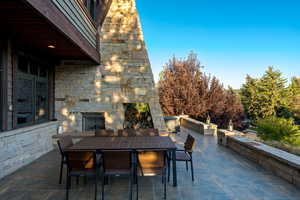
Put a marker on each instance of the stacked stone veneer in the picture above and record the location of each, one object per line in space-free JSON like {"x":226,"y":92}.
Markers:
{"x":22,"y":146}
{"x":124,"y":76}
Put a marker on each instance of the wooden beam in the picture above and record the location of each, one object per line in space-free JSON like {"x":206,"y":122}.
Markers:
{"x":103,"y":8}
{"x":3,"y":84}
{"x":47,"y":9}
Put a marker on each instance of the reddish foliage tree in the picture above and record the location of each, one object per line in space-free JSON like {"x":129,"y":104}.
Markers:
{"x":184,"y":89}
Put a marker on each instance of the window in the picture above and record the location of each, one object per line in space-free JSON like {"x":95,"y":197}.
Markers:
{"x":31,"y":93}
{"x":1,"y":91}
{"x":91,"y":7}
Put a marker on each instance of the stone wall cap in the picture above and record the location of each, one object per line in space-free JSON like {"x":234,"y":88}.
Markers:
{"x":27,"y":129}
{"x":74,"y":135}
{"x":230,"y":133}
{"x":283,"y":156}
{"x":197,"y":121}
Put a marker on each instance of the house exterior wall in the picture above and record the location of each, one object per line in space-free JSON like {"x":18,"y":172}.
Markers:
{"x":124,"y":76}
{"x":22,"y":146}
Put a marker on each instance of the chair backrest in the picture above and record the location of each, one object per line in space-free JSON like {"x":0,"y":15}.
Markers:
{"x":126,"y":132}
{"x":104,"y":133}
{"x":116,"y":160}
{"x":152,"y":159}
{"x":64,"y":142}
{"x":80,"y":159}
{"x":147,"y":132}
{"x":190,"y":144}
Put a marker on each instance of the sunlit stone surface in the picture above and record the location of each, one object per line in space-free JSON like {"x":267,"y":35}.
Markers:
{"x":124,"y":76}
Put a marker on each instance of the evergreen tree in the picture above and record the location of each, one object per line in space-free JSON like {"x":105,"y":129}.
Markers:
{"x":295,"y":98}
{"x":267,"y":96}
{"x":250,"y":97}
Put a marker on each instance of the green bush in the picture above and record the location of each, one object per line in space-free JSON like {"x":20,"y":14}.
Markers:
{"x":279,"y":129}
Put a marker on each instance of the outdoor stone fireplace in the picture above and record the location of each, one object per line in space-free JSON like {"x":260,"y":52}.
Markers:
{"x":124,"y":76}
{"x":92,"y":121}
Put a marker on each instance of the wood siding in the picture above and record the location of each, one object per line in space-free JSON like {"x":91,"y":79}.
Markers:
{"x":76,"y":15}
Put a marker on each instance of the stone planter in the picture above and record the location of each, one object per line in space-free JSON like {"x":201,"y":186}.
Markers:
{"x":172,"y":123}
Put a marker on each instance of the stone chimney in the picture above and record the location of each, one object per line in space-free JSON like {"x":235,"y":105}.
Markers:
{"x":124,"y":76}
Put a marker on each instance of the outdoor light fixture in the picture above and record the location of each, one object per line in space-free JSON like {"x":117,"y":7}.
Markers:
{"x":51,"y":47}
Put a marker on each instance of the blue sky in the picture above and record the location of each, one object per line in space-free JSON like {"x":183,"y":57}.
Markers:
{"x":232,"y":38}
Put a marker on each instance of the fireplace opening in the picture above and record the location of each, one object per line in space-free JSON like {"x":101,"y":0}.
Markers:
{"x":137,"y":115}
{"x":93,"y":121}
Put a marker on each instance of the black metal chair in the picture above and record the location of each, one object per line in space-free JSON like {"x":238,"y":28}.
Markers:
{"x":80,"y":164}
{"x":147,"y":132}
{"x":116,"y":164}
{"x":152,"y":163}
{"x":105,"y":133}
{"x":138,"y":132}
{"x":63,"y":143}
{"x":185,"y":155}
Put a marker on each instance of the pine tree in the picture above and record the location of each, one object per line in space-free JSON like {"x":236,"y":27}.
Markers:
{"x":295,"y":98}
{"x":267,"y":96}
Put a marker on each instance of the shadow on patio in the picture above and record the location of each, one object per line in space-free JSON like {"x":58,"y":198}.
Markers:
{"x":219,"y":174}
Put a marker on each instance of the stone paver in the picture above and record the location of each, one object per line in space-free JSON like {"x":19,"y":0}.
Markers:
{"x":220,"y":174}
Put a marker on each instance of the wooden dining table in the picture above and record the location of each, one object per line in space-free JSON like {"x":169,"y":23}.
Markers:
{"x":99,"y":144}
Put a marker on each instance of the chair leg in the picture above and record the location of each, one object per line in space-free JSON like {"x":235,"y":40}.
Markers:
{"x":96,"y":184}
{"x":130,"y":186}
{"x":85,"y":180}
{"x":165,"y":184}
{"x":137,"y":188}
{"x":67,"y":186}
{"x":102,"y":187}
{"x":192,"y":169}
{"x":186,"y":166}
{"x":61,"y":171}
{"x":169,"y":168}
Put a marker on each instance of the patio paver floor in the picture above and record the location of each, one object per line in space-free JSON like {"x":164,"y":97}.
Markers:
{"x":220,"y":174}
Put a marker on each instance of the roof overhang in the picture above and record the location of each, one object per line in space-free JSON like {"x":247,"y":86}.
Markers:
{"x":36,"y":24}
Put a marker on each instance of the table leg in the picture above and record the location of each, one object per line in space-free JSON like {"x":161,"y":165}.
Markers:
{"x":174,"y":168}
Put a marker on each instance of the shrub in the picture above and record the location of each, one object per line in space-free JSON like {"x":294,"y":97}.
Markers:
{"x":279,"y":129}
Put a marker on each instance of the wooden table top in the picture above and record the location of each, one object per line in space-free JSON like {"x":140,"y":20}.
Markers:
{"x":124,"y":143}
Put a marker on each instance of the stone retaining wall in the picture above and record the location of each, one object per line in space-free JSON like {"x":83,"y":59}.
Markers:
{"x":283,"y":164}
{"x":22,"y":146}
{"x":197,"y":126}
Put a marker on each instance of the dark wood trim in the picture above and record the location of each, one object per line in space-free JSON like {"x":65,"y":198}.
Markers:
{"x":51,"y":95}
{"x":14,"y":78}
{"x":47,"y":9}
{"x":103,"y":8}
{"x":4,"y":85}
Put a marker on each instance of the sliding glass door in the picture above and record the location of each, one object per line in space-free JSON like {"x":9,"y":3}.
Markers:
{"x":31,"y":93}
{"x":1,"y":90}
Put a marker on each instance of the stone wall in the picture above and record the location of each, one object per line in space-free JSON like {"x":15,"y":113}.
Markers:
{"x":281,"y":163}
{"x":124,"y":76}
{"x":22,"y":146}
{"x":198,"y":126}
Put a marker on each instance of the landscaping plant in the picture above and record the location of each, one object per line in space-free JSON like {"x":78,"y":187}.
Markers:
{"x":278,"y":129}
